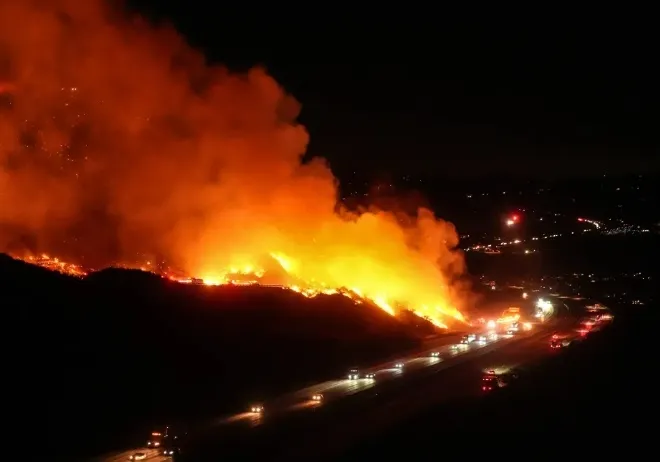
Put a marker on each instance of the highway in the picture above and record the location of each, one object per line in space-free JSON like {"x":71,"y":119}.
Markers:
{"x":462,"y":381}
{"x":295,"y":426}
{"x":232,"y":427}
{"x":324,"y":435}
{"x":151,"y":455}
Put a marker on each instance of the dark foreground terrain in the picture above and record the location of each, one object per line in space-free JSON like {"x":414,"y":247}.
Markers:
{"x":591,"y":398}
{"x":102,"y":360}
{"x":591,"y":395}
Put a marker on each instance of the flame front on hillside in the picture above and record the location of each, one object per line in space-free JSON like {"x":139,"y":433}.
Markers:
{"x":55,"y":264}
{"x":117,"y":139}
{"x":236,"y":279}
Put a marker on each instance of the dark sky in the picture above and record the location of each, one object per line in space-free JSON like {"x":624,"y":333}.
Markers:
{"x":434,"y":92}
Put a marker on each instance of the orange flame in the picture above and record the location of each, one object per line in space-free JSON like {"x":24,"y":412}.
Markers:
{"x":125,"y":142}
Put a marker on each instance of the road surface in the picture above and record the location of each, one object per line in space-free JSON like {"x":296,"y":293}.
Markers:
{"x":295,"y":427}
{"x":372,"y":412}
{"x":152,"y":455}
{"x":232,"y":427}
{"x":462,"y":381}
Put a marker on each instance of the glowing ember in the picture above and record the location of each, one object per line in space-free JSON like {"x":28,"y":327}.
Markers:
{"x":55,"y":264}
{"x":127,"y":146}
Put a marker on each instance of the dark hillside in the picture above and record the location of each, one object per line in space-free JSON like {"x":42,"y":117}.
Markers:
{"x":122,"y":350}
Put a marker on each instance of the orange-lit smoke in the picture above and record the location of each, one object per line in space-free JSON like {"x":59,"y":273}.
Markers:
{"x":118,"y":141}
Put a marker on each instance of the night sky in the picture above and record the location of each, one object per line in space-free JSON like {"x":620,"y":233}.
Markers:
{"x":442,"y":94}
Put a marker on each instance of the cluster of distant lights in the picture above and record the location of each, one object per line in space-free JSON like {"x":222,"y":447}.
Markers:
{"x":596,"y":278}
{"x":621,"y":296}
{"x":515,"y":220}
{"x":571,"y":281}
{"x":625,"y":229}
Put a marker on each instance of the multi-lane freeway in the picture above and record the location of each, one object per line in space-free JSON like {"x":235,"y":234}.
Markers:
{"x":330,"y":416}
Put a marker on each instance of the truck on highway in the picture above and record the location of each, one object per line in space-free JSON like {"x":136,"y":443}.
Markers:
{"x":165,"y":440}
{"x":157,"y":438}
{"x":492,"y":381}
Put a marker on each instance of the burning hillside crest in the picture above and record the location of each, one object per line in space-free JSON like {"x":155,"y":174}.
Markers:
{"x":120,"y":135}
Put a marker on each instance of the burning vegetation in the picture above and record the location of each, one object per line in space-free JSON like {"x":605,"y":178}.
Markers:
{"x":119,"y":143}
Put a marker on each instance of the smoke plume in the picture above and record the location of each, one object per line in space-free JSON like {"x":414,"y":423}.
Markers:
{"x":119,"y":142}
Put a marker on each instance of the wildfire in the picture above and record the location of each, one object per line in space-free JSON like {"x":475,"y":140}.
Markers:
{"x":128,"y":143}
{"x":237,"y":278}
{"x":55,"y":264}
{"x":313,"y":288}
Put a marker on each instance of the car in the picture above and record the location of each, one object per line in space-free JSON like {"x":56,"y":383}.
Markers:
{"x":169,"y":452}
{"x":587,"y":324}
{"x":557,"y":342}
{"x":257,"y":409}
{"x":467,"y":339}
{"x":138,"y":456}
{"x":355,"y":374}
{"x":398,"y":366}
{"x":434,"y":354}
{"x":482,"y":339}
{"x":317,"y":397}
